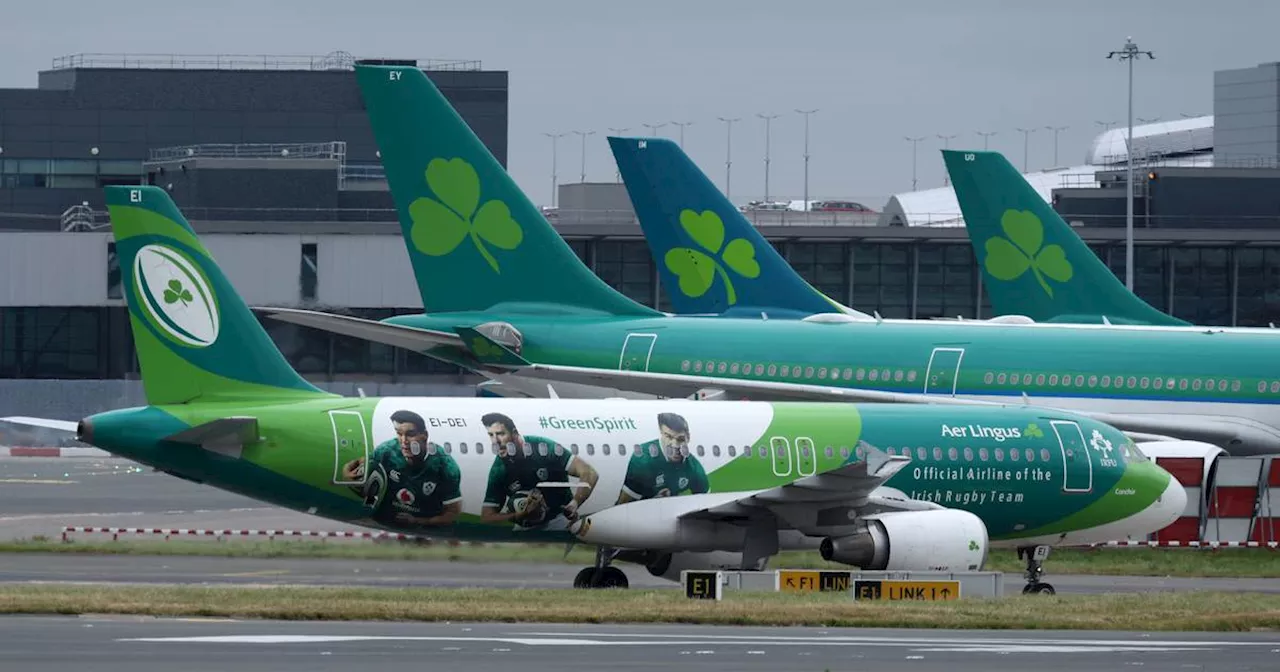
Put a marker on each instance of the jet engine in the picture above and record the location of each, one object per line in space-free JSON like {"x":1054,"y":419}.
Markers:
{"x":946,"y":540}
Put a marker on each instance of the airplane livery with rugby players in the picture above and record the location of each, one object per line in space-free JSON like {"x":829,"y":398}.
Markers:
{"x":506,"y":296}
{"x":672,"y":484}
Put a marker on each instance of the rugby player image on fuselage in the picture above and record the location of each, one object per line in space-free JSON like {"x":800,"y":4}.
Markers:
{"x":409,"y":482}
{"x":665,"y":467}
{"x":520,"y":464}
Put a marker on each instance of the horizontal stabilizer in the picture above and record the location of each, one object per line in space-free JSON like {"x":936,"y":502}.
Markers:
{"x":234,"y":431}
{"x":61,"y":425}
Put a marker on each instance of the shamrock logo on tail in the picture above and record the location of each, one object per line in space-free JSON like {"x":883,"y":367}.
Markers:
{"x":175,"y":292}
{"x":697,"y":268}
{"x":1009,"y":258}
{"x":439,"y":227}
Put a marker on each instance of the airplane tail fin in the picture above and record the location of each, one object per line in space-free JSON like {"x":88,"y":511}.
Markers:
{"x":195,"y":337}
{"x":711,"y":259}
{"x":474,"y":238}
{"x":1032,"y":263}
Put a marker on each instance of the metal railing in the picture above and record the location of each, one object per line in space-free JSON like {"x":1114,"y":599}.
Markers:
{"x":81,"y":217}
{"x":335,"y":60}
{"x":311,"y":150}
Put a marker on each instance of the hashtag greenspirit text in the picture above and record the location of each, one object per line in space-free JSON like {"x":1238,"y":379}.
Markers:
{"x":597,"y":423}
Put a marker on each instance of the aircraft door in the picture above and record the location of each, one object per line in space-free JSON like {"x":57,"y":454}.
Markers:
{"x":350,"y":441}
{"x":780,"y":450}
{"x":1077,"y":463}
{"x":943,"y":372}
{"x":636,"y":351}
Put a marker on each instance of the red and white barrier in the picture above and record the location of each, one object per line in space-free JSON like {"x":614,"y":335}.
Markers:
{"x":51,"y":451}
{"x":1212,"y":545}
{"x":1190,"y":472}
{"x":115,"y":533}
{"x":1267,"y":527}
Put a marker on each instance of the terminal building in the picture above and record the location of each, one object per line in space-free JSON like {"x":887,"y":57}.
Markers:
{"x":274,"y":163}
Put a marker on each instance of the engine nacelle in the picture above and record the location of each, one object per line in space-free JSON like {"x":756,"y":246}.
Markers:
{"x":945,"y":540}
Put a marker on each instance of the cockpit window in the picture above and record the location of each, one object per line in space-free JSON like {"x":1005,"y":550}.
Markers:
{"x":1132,"y":453}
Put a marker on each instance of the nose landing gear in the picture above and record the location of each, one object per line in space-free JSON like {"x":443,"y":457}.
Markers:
{"x":1035,"y":557}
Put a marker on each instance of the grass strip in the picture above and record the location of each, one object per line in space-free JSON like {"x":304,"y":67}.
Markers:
{"x":1205,"y":611}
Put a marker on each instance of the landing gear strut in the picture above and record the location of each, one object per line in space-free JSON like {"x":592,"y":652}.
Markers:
{"x":603,"y":574}
{"x":1035,"y":557}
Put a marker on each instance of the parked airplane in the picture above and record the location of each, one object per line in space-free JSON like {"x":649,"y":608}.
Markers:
{"x":507,"y":296}
{"x":1032,"y":263}
{"x":674,"y":484}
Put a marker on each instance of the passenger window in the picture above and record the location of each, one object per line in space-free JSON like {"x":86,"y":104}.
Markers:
{"x":720,"y":368}
{"x":773,"y":369}
{"x":953,"y":454}
{"x":848,"y":373}
{"x":622,"y":449}
{"x":759,"y":369}
{"x":808,"y":372}
{"x":830,"y":453}
{"x":861,"y":452}
{"x":542,"y":449}
{"x":734,"y":369}
{"x":999,"y":454}
{"x":479,"y":448}
{"x":1015,"y":454}
{"x":968,"y":454}
{"x":911,"y":376}
{"x":844,"y":452}
{"x":684,"y":366}
{"x":1031,"y":455}
{"x":822,"y":373}
{"x":448,"y":448}
{"x":697,"y":367}
{"x":937,"y":454}
{"x":1044,"y":454}
{"x":462,"y":447}
{"x":733,"y":452}
{"x":862,"y":373}
{"x":874,"y":375}
{"x":785,"y":371}
{"x":921,"y":454}
{"x":701,"y":453}
{"x":715,"y":451}
{"x":982,"y":454}
{"x":604,"y":449}
{"x":988,"y":378}
{"x":897,"y":376}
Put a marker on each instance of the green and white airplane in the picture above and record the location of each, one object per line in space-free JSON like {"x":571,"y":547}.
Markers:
{"x":673,"y":484}
{"x":506,"y":296}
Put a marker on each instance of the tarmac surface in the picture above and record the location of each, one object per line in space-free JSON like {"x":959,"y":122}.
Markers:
{"x":110,"y":644}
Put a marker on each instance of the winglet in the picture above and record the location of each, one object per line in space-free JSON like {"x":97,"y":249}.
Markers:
{"x":488,"y":351}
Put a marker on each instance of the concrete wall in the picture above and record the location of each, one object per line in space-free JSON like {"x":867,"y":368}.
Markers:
{"x":1246,"y":110}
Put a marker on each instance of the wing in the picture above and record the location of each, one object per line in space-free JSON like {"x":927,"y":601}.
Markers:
{"x":829,"y":503}
{"x":410,"y":338}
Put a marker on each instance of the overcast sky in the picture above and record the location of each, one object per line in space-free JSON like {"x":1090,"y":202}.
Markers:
{"x":876,"y":71}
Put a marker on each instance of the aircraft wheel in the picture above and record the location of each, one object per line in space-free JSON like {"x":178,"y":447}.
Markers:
{"x":612,"y":577}
{"x":1038,"y":588}
{"x":583,"y":579}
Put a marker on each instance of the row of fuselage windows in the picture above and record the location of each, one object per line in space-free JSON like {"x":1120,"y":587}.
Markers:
{"x":622,"y":450}
{"x":1068,"y":380}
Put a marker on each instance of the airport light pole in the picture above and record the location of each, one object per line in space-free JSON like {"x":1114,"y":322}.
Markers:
{"x":555,"y":137}
{"x":1056,"y":130}
{"x":1026,"y":142}
{"x":768,"y":118}
{"x":617,"y":174}
{"x":653,"y":128}
{"x":728,"y":153}
{"x":682,"y":124}
{"x":914,"y":142}
{"x":583,"y":135}
{"x":806,"y":114}
{"x":1129,"y":53}
{"x":986,"y":136}
{"x":946,"y":144}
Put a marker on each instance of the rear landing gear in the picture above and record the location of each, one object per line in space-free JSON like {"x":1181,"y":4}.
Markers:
{"x":1035,"y":557}
{"x":603,"y":574}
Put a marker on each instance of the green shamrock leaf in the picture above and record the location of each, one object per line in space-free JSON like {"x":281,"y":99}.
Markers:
{"x":1008,"y":258}
{"x":176,"y":292}
{"x":973,"y":545}
{"x":484,"y":349}
{"x":1034,"y":431}
{"x":697,"y":269}
{"x":440,"y":226}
